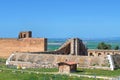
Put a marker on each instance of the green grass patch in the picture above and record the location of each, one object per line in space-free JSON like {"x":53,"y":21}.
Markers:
{"x":2,"y":60}
{"x":99,"y":72}
{"x":43,"y":69}
{"x":17,"y":75}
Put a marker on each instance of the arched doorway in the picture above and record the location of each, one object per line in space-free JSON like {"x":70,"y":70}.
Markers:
{"x":99,"y":54}
{"x":91,"y":54}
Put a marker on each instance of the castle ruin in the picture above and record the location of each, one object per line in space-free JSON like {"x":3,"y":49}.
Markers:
{"x":24,"y":43}
{"x":29,"y":52}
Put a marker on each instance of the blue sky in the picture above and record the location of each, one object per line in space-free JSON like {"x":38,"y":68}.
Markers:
{"x":60,"y":18}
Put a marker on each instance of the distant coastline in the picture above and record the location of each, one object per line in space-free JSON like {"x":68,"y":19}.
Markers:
{"x":55,"y":43}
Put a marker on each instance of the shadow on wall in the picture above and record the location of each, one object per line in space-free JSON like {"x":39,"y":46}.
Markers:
{"x":116,"y":59}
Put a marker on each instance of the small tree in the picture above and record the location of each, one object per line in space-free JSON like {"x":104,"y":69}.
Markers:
{"x":102,"y":45}
{"x":116,"y":47}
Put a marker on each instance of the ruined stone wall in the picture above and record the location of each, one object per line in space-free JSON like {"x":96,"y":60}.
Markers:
{"x":96,"y":52}
{"x":8,"y":46}
{"x":116,"y":59}
{"x":50,"y":60}
{"x":73,"y":46}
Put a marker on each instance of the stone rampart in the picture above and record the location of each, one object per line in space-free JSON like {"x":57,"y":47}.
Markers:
{"x":73,"y":46}
{"x":50,"y":60}
{"x":96,"y":52}
{"x":24,"y":43}
{"x":8,"y":46}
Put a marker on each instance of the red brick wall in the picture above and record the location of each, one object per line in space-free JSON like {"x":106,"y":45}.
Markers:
{"x":8,"y":46}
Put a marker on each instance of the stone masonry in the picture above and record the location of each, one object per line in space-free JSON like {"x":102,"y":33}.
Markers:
{"x":24,"y":43}
{"x":72,"y":50}
{"x":73,"y":46}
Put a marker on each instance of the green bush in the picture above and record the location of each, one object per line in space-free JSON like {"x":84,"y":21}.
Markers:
{"x":116,"y":47}
{"x":104,"y":46}
{"x":2,"y":60}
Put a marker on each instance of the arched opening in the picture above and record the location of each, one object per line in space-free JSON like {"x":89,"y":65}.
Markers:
{"x":108,"y":53}
{"x":99,"y":54}
{"x":24,"y":35}
{"x":91,"y":54}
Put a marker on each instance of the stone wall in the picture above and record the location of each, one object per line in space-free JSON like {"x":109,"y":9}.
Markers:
{"x":73,"y":46}
{"x":116,"y":59}
{"x":49,"y":60}
{"x":8,"y":46}
{"x":96,"y":52}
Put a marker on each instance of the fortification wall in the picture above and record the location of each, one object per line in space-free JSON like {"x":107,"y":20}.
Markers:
{"x":49,"y":60}
{"x":8,"y":46}
{"x":73,"y":46}
{"x":96,"y":52}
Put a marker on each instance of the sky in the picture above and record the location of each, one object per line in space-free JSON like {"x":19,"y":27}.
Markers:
{"x":60,"y":18}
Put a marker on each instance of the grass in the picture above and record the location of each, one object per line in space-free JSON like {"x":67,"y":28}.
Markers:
{"x":29,"y":74}
{"x":99,"y":72}
{"x":17,"y":75}
{"x":2,"y":60}
{"x":43,"y":69}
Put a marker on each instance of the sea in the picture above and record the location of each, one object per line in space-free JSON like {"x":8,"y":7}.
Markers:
{"x":55,"y":43}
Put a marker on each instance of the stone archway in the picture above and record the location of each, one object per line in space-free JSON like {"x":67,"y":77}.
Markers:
{"x":99,"y":54}
{"x":91,"y":54}
{"x":108,"y":53}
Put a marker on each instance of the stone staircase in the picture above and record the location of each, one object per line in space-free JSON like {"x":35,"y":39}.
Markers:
{"x":65,"y":44}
